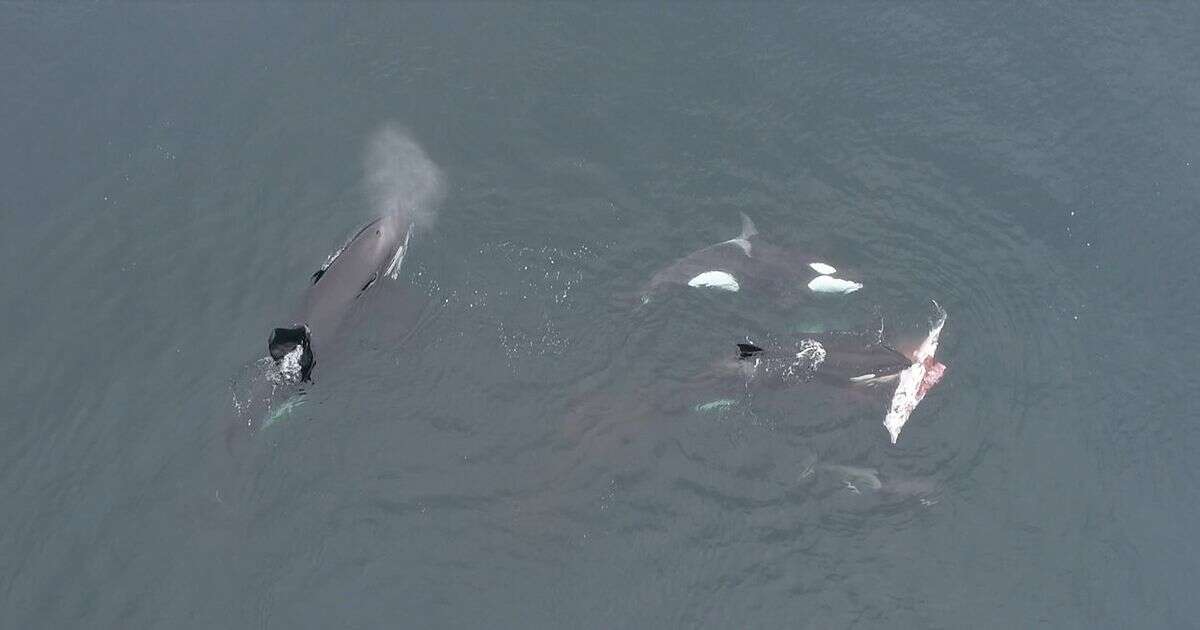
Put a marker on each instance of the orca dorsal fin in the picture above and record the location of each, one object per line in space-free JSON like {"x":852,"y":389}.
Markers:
{"x":743,"y":240}
{"x":285,"y":340}
{"x":747,"y":350}
{"x":748,"y":228}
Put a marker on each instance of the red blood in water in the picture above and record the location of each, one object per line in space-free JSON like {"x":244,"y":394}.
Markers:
{"x":933,"y":373}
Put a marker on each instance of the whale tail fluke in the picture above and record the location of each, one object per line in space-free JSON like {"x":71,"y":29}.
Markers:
{"x":747,"y":350}
{"x":291,"y":348}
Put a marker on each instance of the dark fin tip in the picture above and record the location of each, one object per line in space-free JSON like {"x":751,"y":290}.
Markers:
{"x":317,"y":276}
{"x":747,"y":350}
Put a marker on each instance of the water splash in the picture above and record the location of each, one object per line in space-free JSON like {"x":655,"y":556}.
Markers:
{"x":400,"y":179}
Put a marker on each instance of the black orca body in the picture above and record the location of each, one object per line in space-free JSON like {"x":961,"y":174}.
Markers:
{"x":808,"y":375}
{"x":839,"y":358}
{"x":851,"y":359}
{"x":748,"y":260}
{"x":274,"y":388}
{"x":377,"y":250}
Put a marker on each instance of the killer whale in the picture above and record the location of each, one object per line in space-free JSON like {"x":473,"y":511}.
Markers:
{"x":749,"y":260}
{"x":403,"y":189}
{"x":275,"y":387}
{"x":852,"y":359}
{"x":862,"y":480}
{"x":376,"y":250}
{"x":839,"y":357}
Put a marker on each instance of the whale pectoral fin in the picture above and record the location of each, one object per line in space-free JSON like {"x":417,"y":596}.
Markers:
{"x":369,"y":282}
{"x":747,"y":350}
{"x":317,"y":274}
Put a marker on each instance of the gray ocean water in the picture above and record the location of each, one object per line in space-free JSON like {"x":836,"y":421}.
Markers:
{"x":528,"y":455}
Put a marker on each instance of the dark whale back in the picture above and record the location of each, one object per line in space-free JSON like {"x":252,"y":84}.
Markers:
{"x":838,"y":357}
{"x":335,"y":287}
{"x":752,"y":262}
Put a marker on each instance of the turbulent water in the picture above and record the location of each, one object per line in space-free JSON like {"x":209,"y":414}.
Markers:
{"x":538,"y":450}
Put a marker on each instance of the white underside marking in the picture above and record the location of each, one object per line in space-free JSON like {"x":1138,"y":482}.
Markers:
{"x":871,"y":380}
{"x":716,"y":280}
{"x":823,"y":268}
{"x":910,"y":389}
{"x":905,"y":400}
{"x":830,"y":284}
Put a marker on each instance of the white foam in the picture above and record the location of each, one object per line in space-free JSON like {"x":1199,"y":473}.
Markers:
{"x":830,"y":284}
{"x":289,"y":365}
{"x":823,"y":268}
{"x":332,"y":257}
{"x":812,"y":351}
{"x":808,"y":361}
{"x":716,"y":280}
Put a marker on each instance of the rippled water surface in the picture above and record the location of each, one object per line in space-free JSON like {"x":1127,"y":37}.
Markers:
{"x":505,"y":436}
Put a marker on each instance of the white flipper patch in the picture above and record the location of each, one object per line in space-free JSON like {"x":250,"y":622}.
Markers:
{"x":716,"y":280}
{"x":830,"y":284}
{"x":822,"y":268}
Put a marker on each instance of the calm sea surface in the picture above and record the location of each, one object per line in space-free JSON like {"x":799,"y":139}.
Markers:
{"x":529,"y":454}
